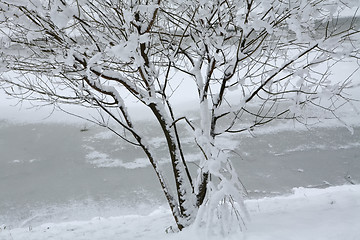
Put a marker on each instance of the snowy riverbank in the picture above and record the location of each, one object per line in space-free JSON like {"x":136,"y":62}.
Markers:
{"x":329,"y":214}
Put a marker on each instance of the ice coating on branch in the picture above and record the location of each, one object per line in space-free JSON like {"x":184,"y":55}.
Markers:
{"x":224,"y":211}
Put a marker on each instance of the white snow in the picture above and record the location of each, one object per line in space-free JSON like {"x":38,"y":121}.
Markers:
{"x":17,"y":161}
{"x":322,"y":214}
{"x":102,"y":160}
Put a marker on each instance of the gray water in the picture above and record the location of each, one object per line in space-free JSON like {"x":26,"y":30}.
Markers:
{"x":47,"y":172}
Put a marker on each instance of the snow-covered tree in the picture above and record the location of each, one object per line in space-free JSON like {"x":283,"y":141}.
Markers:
{"x":276,"y":55}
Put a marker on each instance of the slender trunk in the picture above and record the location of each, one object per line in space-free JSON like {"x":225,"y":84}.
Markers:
{"x":183,"y":188}
{"x":171,"y":201}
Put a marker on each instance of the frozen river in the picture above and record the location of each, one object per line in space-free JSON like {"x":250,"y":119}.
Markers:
{"x":56,"y":172}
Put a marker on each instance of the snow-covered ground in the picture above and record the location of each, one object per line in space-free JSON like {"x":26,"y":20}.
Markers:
{"x":320,"y":214}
